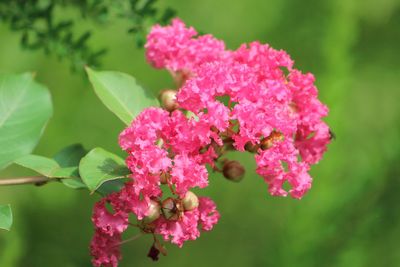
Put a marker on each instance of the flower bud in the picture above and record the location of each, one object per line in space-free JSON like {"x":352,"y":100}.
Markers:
{"x":168,"y":100}
{"x":164,"y":178}
{"x":251,"y":147}
{"x":233,"y":171}
{"x":171,"y":209}
{"x":293,"y":107}
{"x":154,"y":212}
{"x":153,"y":253}
{"x":271,"y":139}
{"x":190,"y":201}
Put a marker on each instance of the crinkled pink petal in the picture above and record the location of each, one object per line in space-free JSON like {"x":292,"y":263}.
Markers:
{"x":209,"y":215}
{"x":299,"y":179}
{"x":176,"y":48}
{"x":208,"y":156}
{"x":132,"y":199}
{"x":107,"y":222}
{"x":105,"y":249}
{"x":312,"y":141}
{"x":187,"y":135}
{"x":269,"y":165}
{"x":181,"y":230}
{"x":144,"y":130}
{"x":186,"y":174}
{"x":153,"y":159}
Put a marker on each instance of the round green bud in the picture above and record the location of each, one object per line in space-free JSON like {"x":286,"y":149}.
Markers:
{"x":190,"y":201}
{"x":154,"y":212}
{"x":168,"y":99}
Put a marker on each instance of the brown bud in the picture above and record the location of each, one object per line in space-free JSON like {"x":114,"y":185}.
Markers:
{"x":164,"y":178}
{"x":168,"y":99}
{"x":190,"y":201}
{"x":154,"y":212}
{"x":233,"y":171}
{"x":269,"y":141}
{"x":251,"y":147}
{"x":171,"y":209}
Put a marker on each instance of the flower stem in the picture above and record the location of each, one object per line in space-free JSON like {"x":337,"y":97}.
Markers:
{"x":130,"y":239}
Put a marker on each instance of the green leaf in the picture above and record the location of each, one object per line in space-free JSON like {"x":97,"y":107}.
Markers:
{"x":47,"y":167}
{"x":25,"y":108}
{"x":74,"y":183}
{"x":6,"y":217}
{"x":70,"y":156}
{"x":120,"y":93}
{"x":99,"y":166}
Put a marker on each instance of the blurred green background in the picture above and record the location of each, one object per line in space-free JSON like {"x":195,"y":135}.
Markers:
{"x":351,"y":217}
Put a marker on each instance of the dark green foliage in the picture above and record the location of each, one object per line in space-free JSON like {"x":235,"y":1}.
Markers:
{"x":35,"y":21}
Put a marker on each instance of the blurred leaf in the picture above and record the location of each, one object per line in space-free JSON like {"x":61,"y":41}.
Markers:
{"x":99,"y":166}
{"x":5,"y":217}
{"x":120,"y":93}
{"x":47,"y":167}
{"x":70,"y":156}
{"x":25,"y":108}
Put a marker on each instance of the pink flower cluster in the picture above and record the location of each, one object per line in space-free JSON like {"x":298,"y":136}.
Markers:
{"x":163,"y":149}
{"x":247,"y":99}
{"x":263,"y":100}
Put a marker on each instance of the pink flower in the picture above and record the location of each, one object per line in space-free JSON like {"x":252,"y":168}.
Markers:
{"x":180,"y":230}
{"x":208,"y":214}
{"x":242,"y":99}
{"x":186,"y":174}
{"x":108,"y":223}
{"x":299,"y":179}
{"x":187,"y":227}
{"x":305,"y":98}
{"x":105,"y":249}
{"x":186,"y":135}
{"x":176,"y":48}
{"x":312,"y":141}
{"x":151,"y":159}
{"x":269,"y":165}
{"x":265,"y":60}
{"x":144,"y":130}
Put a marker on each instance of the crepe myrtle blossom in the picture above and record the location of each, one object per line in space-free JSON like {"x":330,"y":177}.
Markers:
{"x":250,"y":99}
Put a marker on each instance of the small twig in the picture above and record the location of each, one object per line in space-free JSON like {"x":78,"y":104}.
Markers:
{"x":171,"y":187}
{"x":159,"y":246}
{"x":130,"y":239}
{"x":36,"y":180}
{"x":216,"y":169}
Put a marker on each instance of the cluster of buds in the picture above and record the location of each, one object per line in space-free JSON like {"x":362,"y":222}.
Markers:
{"x":274,"y":115}
{"x":171,"y":208}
